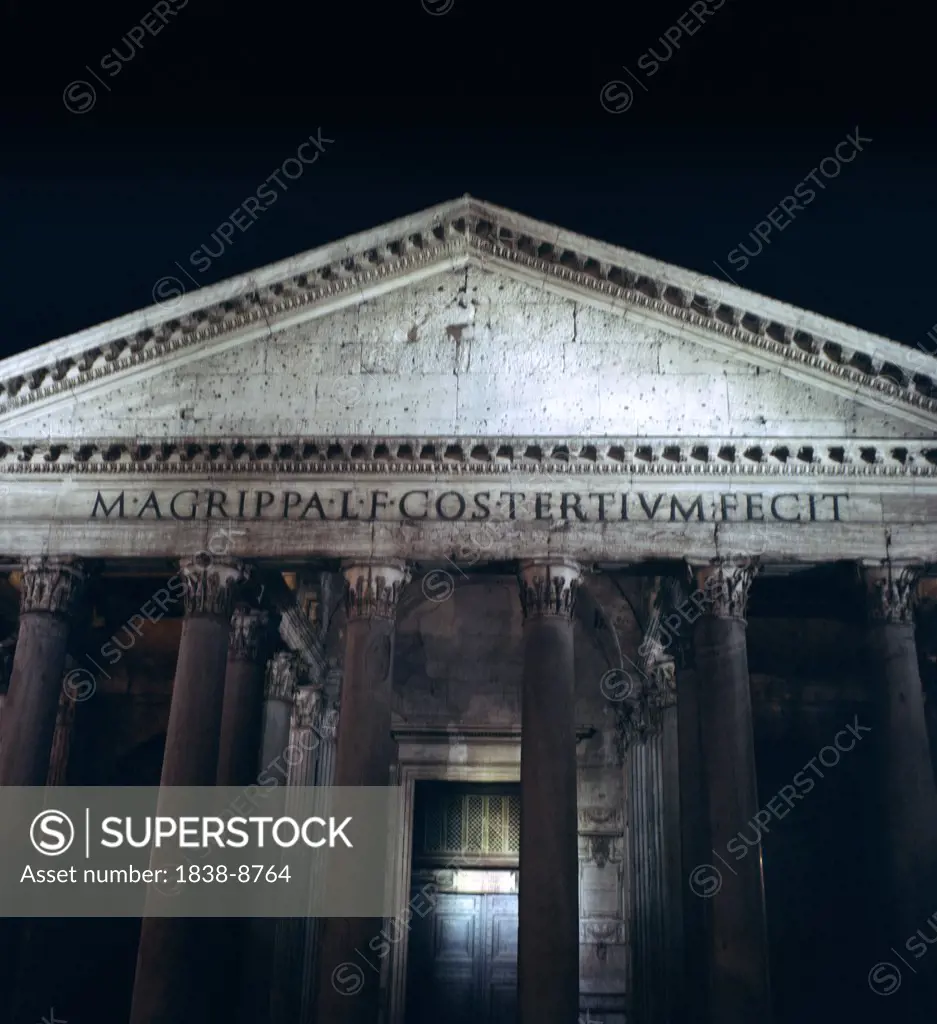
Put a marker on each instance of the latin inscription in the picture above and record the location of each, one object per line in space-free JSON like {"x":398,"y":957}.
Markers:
{"x":446,"y":506}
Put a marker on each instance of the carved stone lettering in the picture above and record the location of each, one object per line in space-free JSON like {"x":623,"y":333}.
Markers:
{"x":447,"y":505}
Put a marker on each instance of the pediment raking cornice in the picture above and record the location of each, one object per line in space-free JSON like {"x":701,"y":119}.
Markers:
{"x":875,"y":370}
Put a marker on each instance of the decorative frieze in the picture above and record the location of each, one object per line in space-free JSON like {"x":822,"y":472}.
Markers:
{"x":283,"y":676}
{"x":608,"y":932}
{"x":52,"y":585}
{"x":600,"y":820}
{"x":891,"y":591}
{"x":600,"y":848}
{"x":211,"y":585}
{"x":373,"y":589}
{"x":725,"y":586}
{"x":564,"y":459}
{"x":596,"y":850}
{"x":548,"y":588}
{"x":252,"y":635}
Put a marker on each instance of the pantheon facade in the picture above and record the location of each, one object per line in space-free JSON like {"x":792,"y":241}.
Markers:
{"x":597,"y":561}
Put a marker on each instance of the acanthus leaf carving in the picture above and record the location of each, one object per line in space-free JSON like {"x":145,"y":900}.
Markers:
{"x":283,"y":676}
{"x":52,"y":585}
{"x":251,"y":635}
{"x":307,"y":707}
{"x":725,"y":585}
{"x":549,"y":588}
{"x":373,"y":590}
{"x":891,"y":592}
{"x":211,"y":585}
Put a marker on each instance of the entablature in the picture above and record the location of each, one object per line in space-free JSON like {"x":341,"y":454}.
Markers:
{"x":718,"y":457}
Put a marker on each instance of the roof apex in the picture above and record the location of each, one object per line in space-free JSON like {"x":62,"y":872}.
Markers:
{"x":455,"y":233}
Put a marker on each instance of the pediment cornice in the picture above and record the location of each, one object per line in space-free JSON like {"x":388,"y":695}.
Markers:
{"x":545,"y":459}
{"x":879,"y":372}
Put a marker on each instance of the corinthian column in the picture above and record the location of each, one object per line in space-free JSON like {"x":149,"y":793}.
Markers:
{"x":548,"y":903}
{"x":191,"y":755}
{"x":363,"y":757}
{"x":908,"y":798}
{"x":49,"y":597}
{"x":292,"y":943}
{"x":327,"y":731}
{"x":284,"y":671}
{"x":250,"y":640}
{"x":735,"y":944}
{"x":281,"y":683}
{"x":172,"y":959}
{"x":61,"y":739}
{"x":249,"y":644}
{"x":648,"y":724}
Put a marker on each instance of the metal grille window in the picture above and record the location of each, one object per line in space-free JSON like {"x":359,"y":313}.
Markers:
{"x":476,"y":822}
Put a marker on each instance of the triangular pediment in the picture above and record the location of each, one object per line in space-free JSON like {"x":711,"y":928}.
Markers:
{"x":468,"y":321}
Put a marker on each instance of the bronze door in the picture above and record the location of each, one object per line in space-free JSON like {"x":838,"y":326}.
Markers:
{"x":463,"y":961}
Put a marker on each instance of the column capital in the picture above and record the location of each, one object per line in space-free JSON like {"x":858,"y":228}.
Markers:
{"x":211,"y":584}
{"x":641,"y":712}
{"x":548,"y":587}
{"x":252,"y":635}
{"x":329,"y":726}
{"x":307,"y":705}
{"x":373,"y":588}
{"x":890,"y":590}
{"x":726,"y":585}
{"x":284,"y":671}
{"x":52,"y":585}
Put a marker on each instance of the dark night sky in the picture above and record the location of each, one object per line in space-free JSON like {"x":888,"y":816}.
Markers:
{"x":502,"y":101}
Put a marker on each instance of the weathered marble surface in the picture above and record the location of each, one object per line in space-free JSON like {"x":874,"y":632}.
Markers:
{"x":465,"y":352}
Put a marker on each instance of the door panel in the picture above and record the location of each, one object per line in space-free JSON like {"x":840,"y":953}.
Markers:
{"x":463,"y":961}
{"x":500,"y":964}
{"x":443,"y":960}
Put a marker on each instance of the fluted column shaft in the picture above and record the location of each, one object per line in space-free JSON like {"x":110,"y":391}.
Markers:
{"x":694,"y":840}
{"x":328,"y":734}
{"x":49,"y":598}
{"x":250,"y":641}
{"x":249,"y":644}
{"x":363,"y":756}
{"x":61,"y":739}
{"x":291,"y":933}
{"x":908,"y":796}
{"x":327,"y":731}
{"x":172,"y":959}
{"x":283,"y":675}
{"x":648,"y":718}
{"x":50,"y":594}
{"x":735,"y":945}
{"x":548,"y":900}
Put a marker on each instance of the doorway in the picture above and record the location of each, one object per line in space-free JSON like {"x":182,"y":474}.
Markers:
{"x":462,"y":963}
